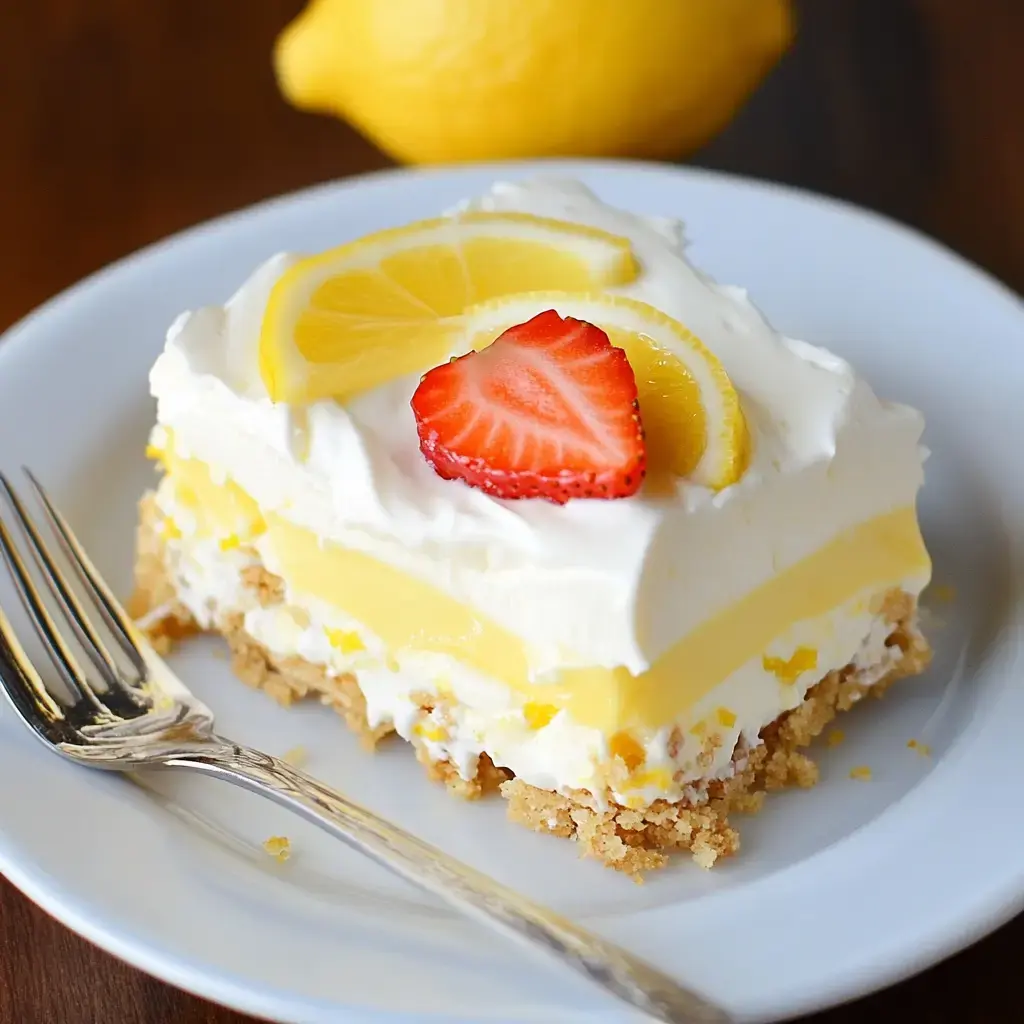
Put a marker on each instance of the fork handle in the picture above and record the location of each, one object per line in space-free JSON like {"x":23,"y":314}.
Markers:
{"x":466,"y":889}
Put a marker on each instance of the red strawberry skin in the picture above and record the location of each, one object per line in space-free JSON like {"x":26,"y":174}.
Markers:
{"x":548,"y":410}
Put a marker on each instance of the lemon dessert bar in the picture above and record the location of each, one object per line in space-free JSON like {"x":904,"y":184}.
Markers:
{"x":524,"y":487}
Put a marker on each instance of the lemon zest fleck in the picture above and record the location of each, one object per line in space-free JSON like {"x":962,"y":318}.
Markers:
{"x":626,"y":747}
{"x":788,"y":670}
{"x":538,"y":715}
{"x":346,"y":641}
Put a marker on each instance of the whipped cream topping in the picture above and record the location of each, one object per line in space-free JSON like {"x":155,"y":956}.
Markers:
{"x":608,"y":583}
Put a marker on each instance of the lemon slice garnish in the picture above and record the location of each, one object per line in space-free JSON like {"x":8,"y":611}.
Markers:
{"x":348,"y":319}
{"x":693,"y":422}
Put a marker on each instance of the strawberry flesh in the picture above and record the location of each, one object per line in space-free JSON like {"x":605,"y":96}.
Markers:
{"x":547,"y":410}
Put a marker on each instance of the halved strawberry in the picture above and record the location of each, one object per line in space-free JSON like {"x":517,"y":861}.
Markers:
{"x":547,"y":410}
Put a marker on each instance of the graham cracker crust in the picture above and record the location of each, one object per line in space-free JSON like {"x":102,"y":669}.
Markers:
{"x":629,"y":840}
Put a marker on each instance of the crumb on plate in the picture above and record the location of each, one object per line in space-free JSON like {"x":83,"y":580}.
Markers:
{"x":835,"y":737}
{"x":297,"y":757}
{"x":279,"y":847}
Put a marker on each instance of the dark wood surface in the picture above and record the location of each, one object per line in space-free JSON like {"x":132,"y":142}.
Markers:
{"x":121,"y":122}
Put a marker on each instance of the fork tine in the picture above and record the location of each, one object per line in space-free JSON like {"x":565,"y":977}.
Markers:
{"x":23,"y":686}
{"x":113,"y":614}
{"x":120,"y":698}
{"x":87,"y":636}
{"x":61,"y":655}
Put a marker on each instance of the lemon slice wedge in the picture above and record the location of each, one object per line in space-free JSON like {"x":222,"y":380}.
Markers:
{"x":346,"y":320}
{"x":693,"y":421}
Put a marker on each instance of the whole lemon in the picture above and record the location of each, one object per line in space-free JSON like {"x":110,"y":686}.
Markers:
{"x":451,"y":80}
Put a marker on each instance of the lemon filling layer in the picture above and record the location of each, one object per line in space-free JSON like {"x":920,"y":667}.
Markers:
{"x":404,"y":614}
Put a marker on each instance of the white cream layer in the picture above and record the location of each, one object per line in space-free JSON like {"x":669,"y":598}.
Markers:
{"x":604,"y":583}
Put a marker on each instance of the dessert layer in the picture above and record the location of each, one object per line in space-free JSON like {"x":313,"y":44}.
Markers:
{"x":624,"y":835}
{"x":613,"y":585}
{"x":396,"y":614}
{"x":584,"y":732}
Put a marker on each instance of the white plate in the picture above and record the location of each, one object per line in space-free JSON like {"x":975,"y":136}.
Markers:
{"x":837,"y":891}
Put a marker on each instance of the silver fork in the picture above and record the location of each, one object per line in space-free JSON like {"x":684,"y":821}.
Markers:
{"x":128,"y":711}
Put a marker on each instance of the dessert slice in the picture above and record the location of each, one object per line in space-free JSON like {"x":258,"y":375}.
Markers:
{"x":522,"y":486}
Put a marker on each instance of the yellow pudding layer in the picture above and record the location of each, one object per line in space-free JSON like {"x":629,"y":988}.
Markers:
{"x":407,"y":613}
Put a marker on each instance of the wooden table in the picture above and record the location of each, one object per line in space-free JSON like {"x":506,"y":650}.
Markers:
{"x":121,"y":122}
